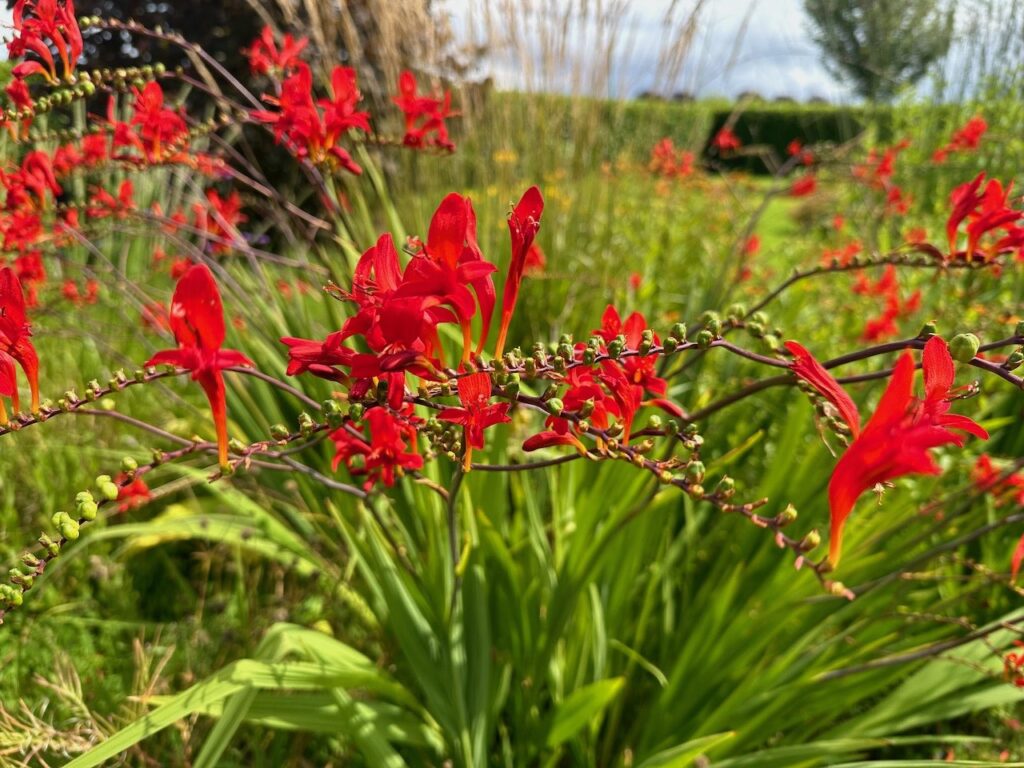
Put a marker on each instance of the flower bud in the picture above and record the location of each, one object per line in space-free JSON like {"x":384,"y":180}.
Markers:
{"x":279,"y":431}
{"x":695,"y":471}
{"x":69,"y":529}
{"x":109,"y":491}
{"x":712,"y":322}
{"x":678,"y":332}
{"x":355,"y":411}
{"x":1014,"y":360}
{"x":87,"y":510}
{"x":696,"y":492}
{"x":615,"y":347}
{"x":654,"y":422}
{"x":333,"y":412}
{"x":52,"y":547}
{"x":964,"y":346}
{"x":786,"y":516}
{"x":810,"y":541}
{"x":704,"y":339}
{"x":129,"y":465}
{"x":555,"y":406}
{"x":928,"y":330}
{"x":30,"y":560}
{"x":669,"y":345}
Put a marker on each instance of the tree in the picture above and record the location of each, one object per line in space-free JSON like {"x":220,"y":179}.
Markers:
{"x":879,"y":45}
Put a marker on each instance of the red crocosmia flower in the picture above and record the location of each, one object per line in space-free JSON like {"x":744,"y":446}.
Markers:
{"x":31,"y":271}
{"x":548,"y":439}
{"x":197,"y":320}
{"x":158,"y":126}
{"x":340,"y":113}
{"x":1013,"y":666}
{"x":155,"y":317}
{"x":50,"y":23}
{"x":635,"y":281}
{"x":450,"y":263}
{"x":131,"y":495}
{"x":726,"y":141}
{"x":752,"y":246}
{"x":804,"y":186}
{"x":966,"y":138}
{"x":265,"y":58}
{"x":639,"y":370}
{"x":897,"y":439}
{"x":794,"y":148}
{"x":15,"y":344}
{"x":94,"y":149}
{"x":536,"y":261}
{"x":987,"y":211}
{"x":103,"y":204}
{"x":1018,"y":557}
{"x":896,"y":202}
{"x":389,"y":450}
{"x":17,"y":91}
{"x":477,"y":412}
{"x":298,"y":124}
{"x":663,"y":158}
{"x":219,"y":219}
{"x":30,"y":184}
{"x":424,"y":115}
{"x":523,"y":224}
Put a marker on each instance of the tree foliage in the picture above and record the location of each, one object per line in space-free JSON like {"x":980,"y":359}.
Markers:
{"x":880,"y":45}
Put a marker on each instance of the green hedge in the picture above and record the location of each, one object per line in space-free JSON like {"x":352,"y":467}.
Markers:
{"x":774,"y":127}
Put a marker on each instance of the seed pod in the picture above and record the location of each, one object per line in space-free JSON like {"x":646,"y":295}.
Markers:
{"x":964,"y":346}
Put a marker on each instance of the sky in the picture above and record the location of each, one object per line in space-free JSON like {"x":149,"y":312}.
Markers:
{"x":740,"y":45}
{"x":761,"y":46}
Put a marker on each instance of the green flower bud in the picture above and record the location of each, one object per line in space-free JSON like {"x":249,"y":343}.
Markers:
{"x":678,"y":332}
{"x":52,"y":547}
{"x":87,"y":510}
{"x":654,"y":422}
{"x":696,"y":492}
{"x":1014,"y":360}
{"x":695,"y":471}
{"x":712,"y":322}
{"x":786,"y":516}
{"x":129,"y":465}
{"x":278,"y":431}
{"x":355,"y":411}
{"x":69,"y":530}
{"x":83,"y":497}
{"x":555,"y":406}
{"x":964,"y":346}
{"x":810,"y":541}
{"x":704,"y":339}
{"x":736,"y":312}
{"x":669,"y":345}
{"x":615,"y":347}
{"x":928,"y":330}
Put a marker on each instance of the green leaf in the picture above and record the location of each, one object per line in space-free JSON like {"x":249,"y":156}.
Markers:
{"x":580,"y":707}
{"x":684,"y":754}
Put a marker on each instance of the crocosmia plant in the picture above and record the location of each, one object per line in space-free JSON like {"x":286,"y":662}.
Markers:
{"x":391,"y":429}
